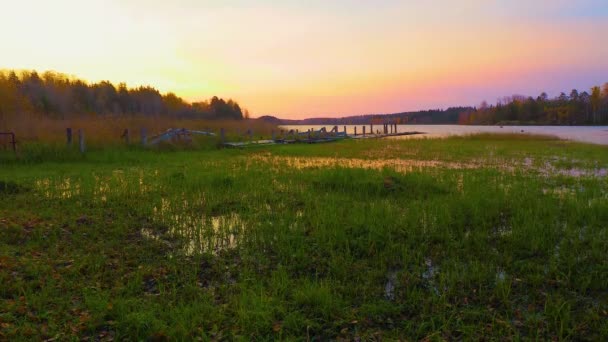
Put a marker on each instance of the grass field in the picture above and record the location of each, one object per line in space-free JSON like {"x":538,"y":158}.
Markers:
{"x":495,"y":237}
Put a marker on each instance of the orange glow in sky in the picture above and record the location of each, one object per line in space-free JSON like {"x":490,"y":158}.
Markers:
{"x":296,"y":59}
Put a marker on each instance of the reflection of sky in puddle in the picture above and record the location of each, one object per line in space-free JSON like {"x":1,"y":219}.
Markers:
{"x":200,"y":234}
{"x":61,"y":189}
{"x":547,"y":169}
{"x":399,"y":165}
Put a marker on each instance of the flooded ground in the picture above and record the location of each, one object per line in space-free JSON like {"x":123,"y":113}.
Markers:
{"x":589,"y":134}
{"x":358,"y":236}
{"x":178,"y":218}
{"x":545,"y":168}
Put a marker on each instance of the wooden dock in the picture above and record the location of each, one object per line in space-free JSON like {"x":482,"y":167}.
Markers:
{"x":310,"y":137}
{"x":293,"y":136}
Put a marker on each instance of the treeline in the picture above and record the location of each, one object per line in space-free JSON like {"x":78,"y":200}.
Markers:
{"x":575,"y":109}
{"x":423,"y":117}
{"x":59,"y":96}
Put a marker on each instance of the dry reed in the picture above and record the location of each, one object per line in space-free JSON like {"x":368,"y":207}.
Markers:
{"x":102,"y":130}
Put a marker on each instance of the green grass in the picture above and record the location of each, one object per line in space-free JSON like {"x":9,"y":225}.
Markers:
{"x":236,"y":244}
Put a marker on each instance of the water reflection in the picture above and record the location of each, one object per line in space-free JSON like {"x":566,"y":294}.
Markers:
{"x":197,"y":233}
{"x":64,"y":188}
{"x":278,"y":163}
{"x":590,"y":134}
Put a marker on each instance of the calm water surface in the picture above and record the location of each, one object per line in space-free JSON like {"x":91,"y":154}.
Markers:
{"x":589,"y":134}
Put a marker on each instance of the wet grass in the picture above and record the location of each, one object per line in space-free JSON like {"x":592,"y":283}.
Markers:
{"x":244,"y":244}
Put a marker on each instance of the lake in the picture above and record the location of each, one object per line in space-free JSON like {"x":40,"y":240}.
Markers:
{"x":589,"y":134}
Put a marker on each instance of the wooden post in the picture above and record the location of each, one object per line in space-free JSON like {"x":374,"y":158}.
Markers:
{"x":14,"y":142}
{"x":68,"y":133}
{"x":371,"y":128}
{"x":363,"y":130}
{"x":250,"y":135}
{"x":143,"y":132}
{"x":81,"y":140}
{"x":222,"y":136}
{"x":345,"y":134}
{"x":127,"y":136}
{"x":355,"y":130}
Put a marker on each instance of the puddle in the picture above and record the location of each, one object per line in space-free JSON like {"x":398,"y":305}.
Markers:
{"x":429,"y":275}
{"x":58,"y":189}
{"x":561,"y":192}
{"x":101,"y":186}
{"x":199,"y":234}
{"x":503,"y":228}
{"x":399,"y":165}
{"x":389,"y":287}
{"x":501,"y":276}
{"x":279,"y":163}
{"x":549,"y":169}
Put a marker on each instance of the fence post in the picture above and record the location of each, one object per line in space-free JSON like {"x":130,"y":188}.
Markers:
{"x":127,"y":135}
{"x":81,"y":140}
{"x":144,"y":136}
{"x":250,"y":135}
{"x":355,"y":130}
{"x":222,"y":136}
{"x":14,"y":142}
{"x":363,"y":130}
{"x":371,"y":128}
{"x":68,"y":133}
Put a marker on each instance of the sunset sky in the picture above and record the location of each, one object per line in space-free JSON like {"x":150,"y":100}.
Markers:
{"x":296,"y":59}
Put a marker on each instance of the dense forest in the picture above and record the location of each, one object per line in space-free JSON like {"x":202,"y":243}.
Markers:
{"x":574,"y":109}
{"x":434,"y":116}
{"x":59,"y":96}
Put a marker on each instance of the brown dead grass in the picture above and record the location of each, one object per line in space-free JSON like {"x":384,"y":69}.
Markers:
{"x":108,"y":130}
